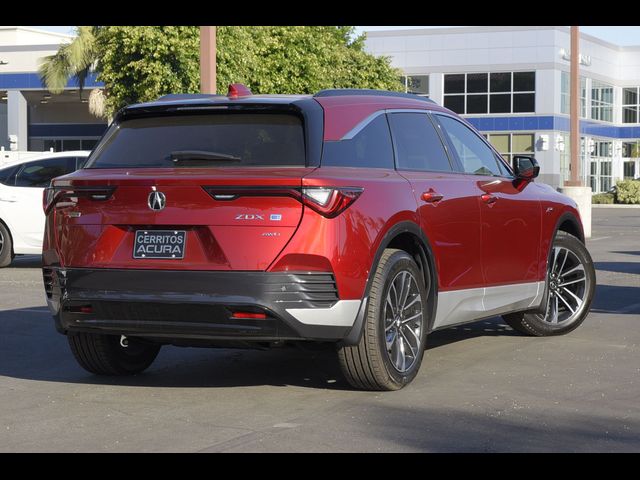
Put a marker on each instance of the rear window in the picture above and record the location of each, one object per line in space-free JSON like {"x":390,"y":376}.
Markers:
{"x":212,"y":140}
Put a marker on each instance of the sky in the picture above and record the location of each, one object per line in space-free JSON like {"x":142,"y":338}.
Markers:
{"x":618,"y":35}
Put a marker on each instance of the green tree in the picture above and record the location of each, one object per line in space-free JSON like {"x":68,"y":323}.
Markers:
{"x":139,"y":64}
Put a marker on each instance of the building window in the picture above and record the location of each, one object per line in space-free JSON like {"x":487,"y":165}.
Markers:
{"x":630,"y":104}
{"x":510,"y":144}
{"x":601,"y":101}
{"x":563,"y":140}
{"x":565,"y":94}
{"x":418,"y":84}
{"x":600,"y":177}
{"x":495,"y":92}
{"x":631,"y":157}
{"x":61,"y":145}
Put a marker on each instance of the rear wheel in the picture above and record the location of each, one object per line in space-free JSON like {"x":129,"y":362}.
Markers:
{"x":571,"y":281}
{"x":390,"y":351}
{"x":6,"y":247}
{"x":104,"y":355}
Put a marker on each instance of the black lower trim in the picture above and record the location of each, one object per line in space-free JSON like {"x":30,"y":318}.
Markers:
{"x":190,"y":304}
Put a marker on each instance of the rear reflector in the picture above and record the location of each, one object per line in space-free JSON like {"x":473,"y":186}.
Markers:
{"x":80,"y":309}
{"x":260,"y":316}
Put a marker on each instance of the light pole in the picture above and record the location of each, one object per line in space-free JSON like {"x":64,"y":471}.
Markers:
{"x":574,"y":111}
{"x":574,"y":187}
{"x":208,"y":59}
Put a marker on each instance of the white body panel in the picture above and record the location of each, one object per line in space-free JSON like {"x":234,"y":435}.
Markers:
{"x":342,"y":314}
{"x":462,"y":306}
{"x":21,"y":211}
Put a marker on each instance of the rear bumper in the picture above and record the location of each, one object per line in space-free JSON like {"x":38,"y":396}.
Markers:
{"x":199,"y":304}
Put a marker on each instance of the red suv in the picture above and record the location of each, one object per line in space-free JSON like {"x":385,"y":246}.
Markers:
{"x":361,"y":218}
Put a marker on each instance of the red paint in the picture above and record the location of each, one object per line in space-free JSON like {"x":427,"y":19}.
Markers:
{"x":452,"y":225}
{"x":483,"y":231}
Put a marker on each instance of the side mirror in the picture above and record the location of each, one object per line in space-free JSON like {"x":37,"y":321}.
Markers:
{"x":525,"y":168}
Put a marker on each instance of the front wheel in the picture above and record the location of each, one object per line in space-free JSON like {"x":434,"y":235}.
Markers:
{"x":105,"y":355}
{"x":571,"y":282}
{"x":390,"y":351}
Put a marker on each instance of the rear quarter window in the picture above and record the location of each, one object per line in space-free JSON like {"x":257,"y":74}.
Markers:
{"x":369,"y":148}
{"x":234,"y":139}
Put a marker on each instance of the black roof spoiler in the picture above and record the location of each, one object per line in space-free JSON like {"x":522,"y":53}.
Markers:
{"x":342,"y":92}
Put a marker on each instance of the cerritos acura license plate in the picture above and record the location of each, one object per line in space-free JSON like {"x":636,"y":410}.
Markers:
{"x":167,"y":244}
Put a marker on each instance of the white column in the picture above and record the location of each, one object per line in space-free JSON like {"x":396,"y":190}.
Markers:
{"x":436,"y":87}
{"x":17,"y":124}
{"x":582,"y":197}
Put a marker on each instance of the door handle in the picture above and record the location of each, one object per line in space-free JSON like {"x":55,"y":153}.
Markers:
{"x":432,"y":197}
{"x":488,"y":198}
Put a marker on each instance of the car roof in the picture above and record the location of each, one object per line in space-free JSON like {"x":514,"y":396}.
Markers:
{"x":341,"y":95}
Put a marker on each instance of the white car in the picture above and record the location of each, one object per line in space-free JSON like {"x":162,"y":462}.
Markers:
{"x":21,"y":186}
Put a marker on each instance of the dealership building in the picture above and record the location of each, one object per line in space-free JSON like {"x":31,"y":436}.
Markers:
{"x":512,"y":83}
{"x":30,"y":117}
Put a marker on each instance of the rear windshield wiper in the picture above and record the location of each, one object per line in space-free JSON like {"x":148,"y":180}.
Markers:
{"x":182,"y":155}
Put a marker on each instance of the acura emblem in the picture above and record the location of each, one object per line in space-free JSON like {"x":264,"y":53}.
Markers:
{"x":157,"y":200}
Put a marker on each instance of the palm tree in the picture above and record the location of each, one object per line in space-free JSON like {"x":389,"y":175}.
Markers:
{"x":75,"y":59}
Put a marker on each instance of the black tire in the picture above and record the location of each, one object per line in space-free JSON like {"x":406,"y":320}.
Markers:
{"x":368,"y":366}
{"x":103,"y":354}
{"x":539,"y":325}
{"x":6,"y":247}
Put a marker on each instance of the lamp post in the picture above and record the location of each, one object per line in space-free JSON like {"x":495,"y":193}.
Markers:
{"x":208,"y":59}
{"x":574,"y":111}
{"x":574,"y":187}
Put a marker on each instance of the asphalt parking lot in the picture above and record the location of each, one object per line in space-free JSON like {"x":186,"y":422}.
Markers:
{"x":482,"y":388}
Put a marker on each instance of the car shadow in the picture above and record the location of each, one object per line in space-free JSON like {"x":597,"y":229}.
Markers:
{"x":30,"y":348}
{"x":26,"y":261}
{"x":628,"y":252}
{"x":616,"y":299}
{"x":619,"y":267}
{"x":491,"y":327}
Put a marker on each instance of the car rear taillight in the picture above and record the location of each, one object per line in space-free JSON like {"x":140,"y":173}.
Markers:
{"x":68,"y":196}
{"x":327,"y":201}
{"x":330,"y":201}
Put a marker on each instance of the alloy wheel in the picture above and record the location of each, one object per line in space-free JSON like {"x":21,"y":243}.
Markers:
{"x":567,"y":282}
{"x":403,"y":321}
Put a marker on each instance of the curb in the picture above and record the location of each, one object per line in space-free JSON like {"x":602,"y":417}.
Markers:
{"x":613,"y":205}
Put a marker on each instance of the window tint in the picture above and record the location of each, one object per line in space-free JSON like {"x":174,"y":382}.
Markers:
{"x":475,"y":155}
{"x":39,"y":174}
{"x":419,"y":146}
{"x":7,"y":175}
{"x":80,"y":161}
{"x":260,"y":139}
{"x":370,"y":148}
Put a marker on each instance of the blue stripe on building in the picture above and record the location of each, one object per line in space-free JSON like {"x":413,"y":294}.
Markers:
{"x":33,"y":80}
{"x":67,"y":130}
{"x":551,"y":122}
